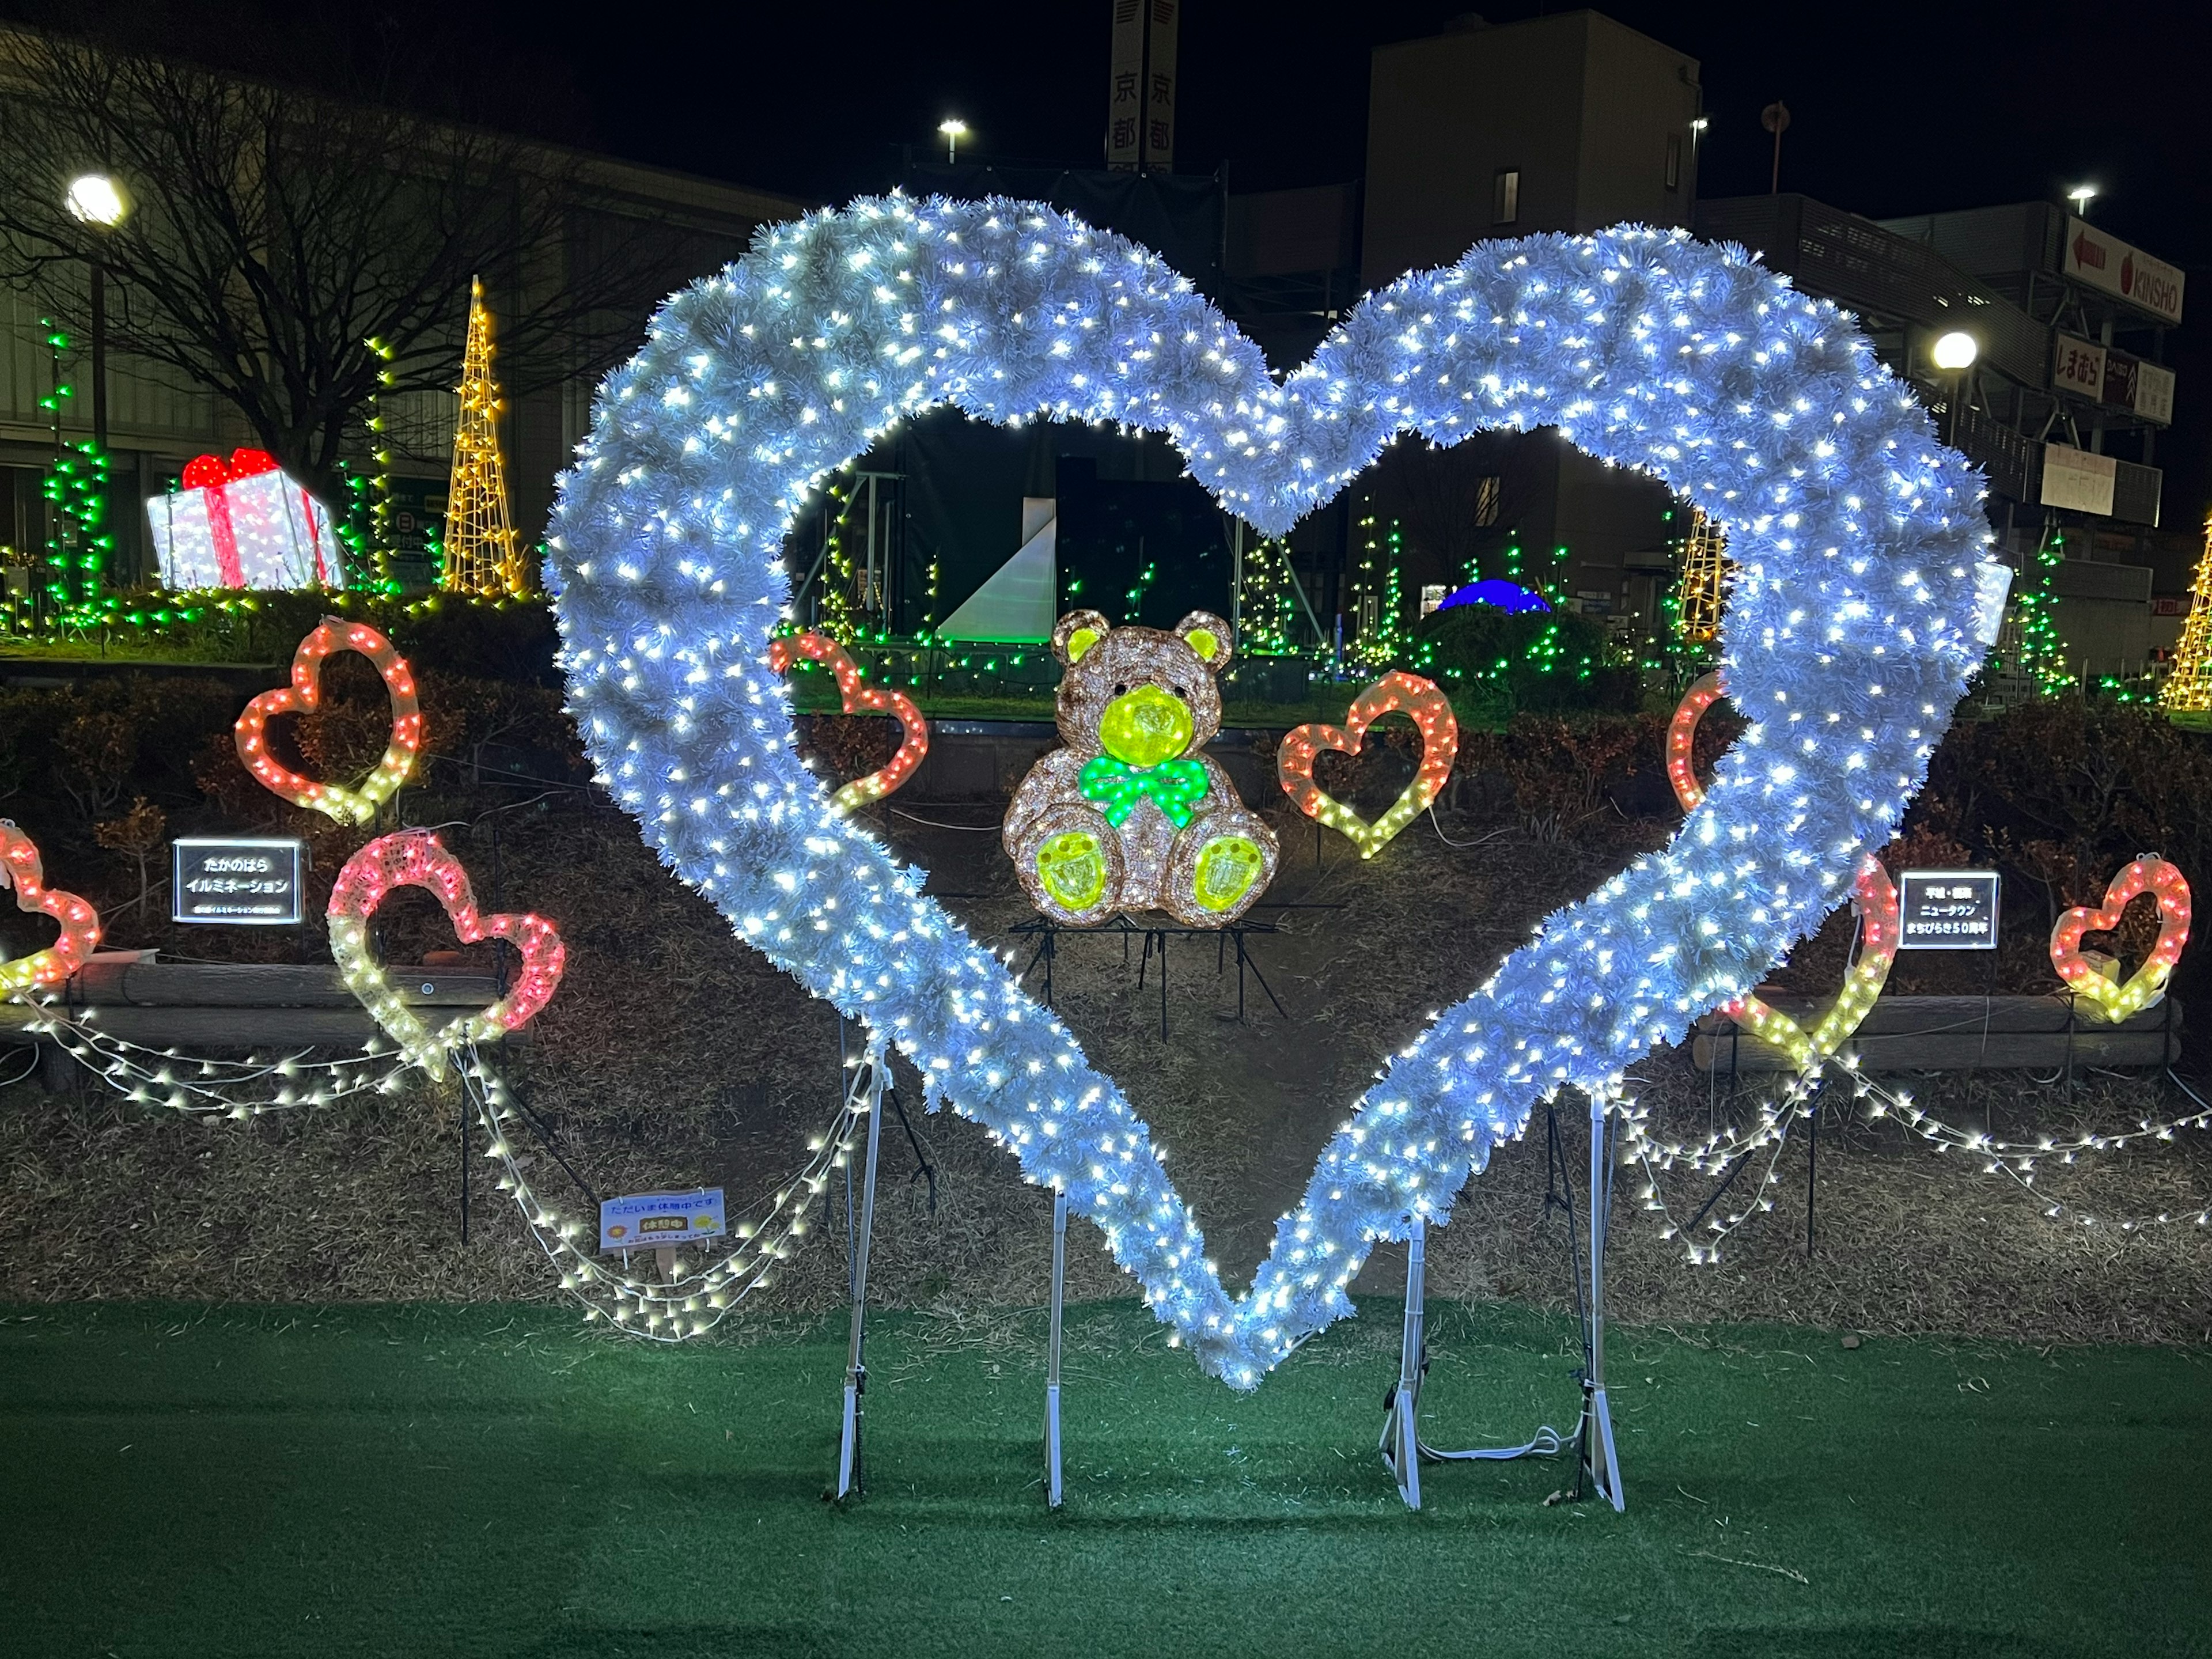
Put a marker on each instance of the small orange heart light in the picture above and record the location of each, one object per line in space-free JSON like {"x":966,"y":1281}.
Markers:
{"x":1875,"y":899}
{"x":1682,"y":739}
{"x":2149,"y":873}
{"x":21,"y":869}
{"x":357,"y":804}
{"x":859,"y":698}
{"x":1432,"y":712}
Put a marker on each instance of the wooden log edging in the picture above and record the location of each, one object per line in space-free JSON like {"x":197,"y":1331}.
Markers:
{"x":221,"y":1006}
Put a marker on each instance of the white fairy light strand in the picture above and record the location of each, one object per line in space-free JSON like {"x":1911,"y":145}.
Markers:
{"x":195,"y":1086}
{"x":2019,"y":1161}
{"x":1863,"y":602}
{"x":695,"y":1300}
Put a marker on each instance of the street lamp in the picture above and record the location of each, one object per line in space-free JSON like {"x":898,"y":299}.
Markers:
{"x":954,"y":131}
{"x":97,"y":200}
{"x":1954,"y":353}
{"x":2081,"y":196}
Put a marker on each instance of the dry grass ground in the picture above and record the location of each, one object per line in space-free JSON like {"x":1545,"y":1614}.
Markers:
{"x":673,"y":1056}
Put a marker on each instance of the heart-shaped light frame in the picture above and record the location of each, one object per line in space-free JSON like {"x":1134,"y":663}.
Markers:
{"x":416,"y":858}
{"x":2149,"y":873}
{"x":357,"y":804}
{"x":1863,"y":602}
{"x":860,"y":697}
{"x":1395,"y":691}
{"x":21,"y":868}
{"x":1874,"y":897}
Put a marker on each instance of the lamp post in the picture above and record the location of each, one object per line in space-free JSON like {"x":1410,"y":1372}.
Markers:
{"x":1954,"y":353}
{"x":1775,"y":118}
{"x":101,"y":202}
{"x":954,"y":130}
{"x":2081,"y":196}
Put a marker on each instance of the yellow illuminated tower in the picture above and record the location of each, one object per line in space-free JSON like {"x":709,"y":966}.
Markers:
{"x":2187,"y":698}
{"x":1705,"y":577}
{"x":480,"y":551}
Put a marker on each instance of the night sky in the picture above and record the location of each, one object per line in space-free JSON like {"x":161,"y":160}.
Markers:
{"x":1896,"y":108}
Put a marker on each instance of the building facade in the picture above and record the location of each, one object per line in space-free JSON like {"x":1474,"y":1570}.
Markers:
{"x":158,"y":420}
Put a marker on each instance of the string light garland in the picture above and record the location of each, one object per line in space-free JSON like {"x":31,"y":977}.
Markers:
{"x":21,"y":868}
{"x":77,"y":547}
{"x":358,"y":803}
{"x":693,"y":1299}
{"x":2042,"y":651}
{"x":416,"y":858}
{"x":478,"y":544}
{"x":1864,"y":600}
{"x":2117,"y":1003}
{"x":1396,"y":692}
{"x":857,"y":697}
{"x":193,"y":1086}
{"x":2019,"y":1162}
{"x":1704,"y":587}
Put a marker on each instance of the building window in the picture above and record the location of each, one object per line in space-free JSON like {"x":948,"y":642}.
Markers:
{"x":1674,"y":161}
{"x":1486,"y":491}
{"x":1505,"y":203}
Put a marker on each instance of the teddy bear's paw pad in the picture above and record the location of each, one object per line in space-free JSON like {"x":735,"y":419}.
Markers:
{"x":1227,"y":867}
{"x":1072,"y":868}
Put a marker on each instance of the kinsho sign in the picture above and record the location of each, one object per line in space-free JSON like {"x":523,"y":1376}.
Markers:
{"x":2116,"y":267}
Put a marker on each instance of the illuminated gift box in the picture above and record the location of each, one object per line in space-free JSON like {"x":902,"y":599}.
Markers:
{"x":242,"y":523}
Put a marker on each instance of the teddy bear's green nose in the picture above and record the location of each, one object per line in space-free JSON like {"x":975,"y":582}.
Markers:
{"x":1145,"y":726}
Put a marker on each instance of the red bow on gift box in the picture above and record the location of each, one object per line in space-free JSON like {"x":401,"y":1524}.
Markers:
{"x":204,"y":471}
{"x":212,"y":473}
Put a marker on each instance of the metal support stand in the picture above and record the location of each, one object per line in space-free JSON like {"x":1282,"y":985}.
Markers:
{"x":1402,"y":1433}
{"x":1598,"y":1461}
{"x":867,"y":1096}
{"x":1047,"y":932}
{"x":1597,"y":1465}
{"x":1054,"y":1490}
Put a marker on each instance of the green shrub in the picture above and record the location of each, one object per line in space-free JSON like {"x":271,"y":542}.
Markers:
{"x":1494,"y":666}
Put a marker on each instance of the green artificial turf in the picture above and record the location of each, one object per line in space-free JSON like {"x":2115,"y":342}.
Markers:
{"x":181,"y":1482}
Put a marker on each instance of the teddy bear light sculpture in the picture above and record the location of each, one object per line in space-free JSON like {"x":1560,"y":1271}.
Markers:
{"x":1127,"y":814}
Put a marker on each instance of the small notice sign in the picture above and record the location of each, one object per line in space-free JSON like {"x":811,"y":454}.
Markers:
{"x":1947,"y":910}
{"x":659,"y":1221}
{"x":248,"y":884}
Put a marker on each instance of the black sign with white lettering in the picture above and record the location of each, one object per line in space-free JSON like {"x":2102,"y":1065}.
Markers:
{"x":1947,"y":910}
{"x":248,"y":884}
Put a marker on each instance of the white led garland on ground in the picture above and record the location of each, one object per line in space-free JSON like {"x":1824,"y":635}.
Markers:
{"x":1863,"y":602}
{"x":690,"y":1301}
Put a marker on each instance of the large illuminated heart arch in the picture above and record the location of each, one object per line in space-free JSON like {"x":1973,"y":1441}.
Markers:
{"x":1862,"y":602}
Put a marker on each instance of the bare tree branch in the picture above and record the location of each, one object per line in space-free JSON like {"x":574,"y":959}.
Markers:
{"x":274,"y":234}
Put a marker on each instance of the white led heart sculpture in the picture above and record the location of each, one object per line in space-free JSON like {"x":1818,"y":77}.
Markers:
{"x":1863,"y":601}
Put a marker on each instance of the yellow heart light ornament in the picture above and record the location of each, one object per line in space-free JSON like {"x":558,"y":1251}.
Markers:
{"x":1395,"y":692}
{"x":416,"y":858}
{"x":21,"y":869}
{"x":1874,"y":899}
{"x":357,"y":804}
{"x":2116,"y":1002}
{"x":859,"y":698}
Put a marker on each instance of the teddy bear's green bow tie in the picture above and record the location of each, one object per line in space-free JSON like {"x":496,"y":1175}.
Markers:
{"x":1175,"y":787}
